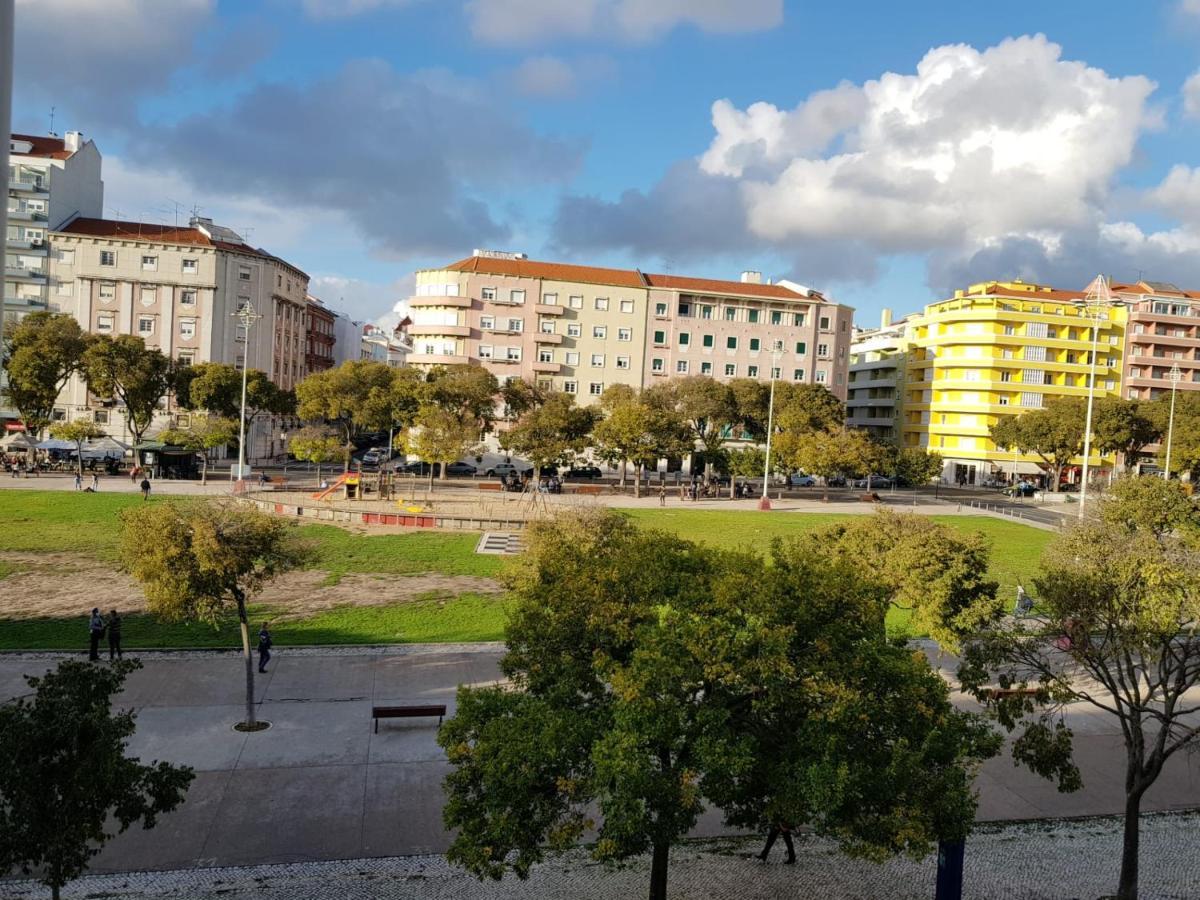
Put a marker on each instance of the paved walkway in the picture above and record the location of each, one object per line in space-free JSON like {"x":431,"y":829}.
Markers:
{"x":321,"y":785}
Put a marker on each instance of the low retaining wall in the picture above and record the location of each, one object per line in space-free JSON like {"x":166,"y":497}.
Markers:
{"x":317,"y":511}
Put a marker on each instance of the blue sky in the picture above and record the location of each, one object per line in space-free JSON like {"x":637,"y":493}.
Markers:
{"x":882,"y":152}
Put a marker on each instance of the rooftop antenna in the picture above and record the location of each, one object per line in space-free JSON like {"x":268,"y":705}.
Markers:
{"x":668,"y":264}
{"x":196,"y":210}
{"x":178,"y":206}
{"x":52,"y":121}
{"x":1141,"y":275}
{"x":246,"y":232}
{"x":116,"y":212}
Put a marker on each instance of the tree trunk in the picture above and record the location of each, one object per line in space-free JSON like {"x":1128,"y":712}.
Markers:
{"x":245,"y":626}
{"x":318,"y":475}
{"x":204,"y":467}
{"x":637,"y":480}
{"x":732,"y":485}
{"x":658,"y":872}
{"x":54,"y":895}
{"x":1127,"y":888}
{"x":79,"y":458}
{"x":624,"y":462}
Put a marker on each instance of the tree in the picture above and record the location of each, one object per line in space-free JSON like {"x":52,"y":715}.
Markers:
{"x":342,"y":397}
{"x":442,"y":436}
{"x":44,"y":351}
{"x":204,"y":432}
{"x":317,"y":446}
{"x":650,"y":676}
{"x":1125,"y":427}
{"x":550,"y":433}
{"x":66,"y":781}
{"x":747,"y":462}
{"x":136,"y":376}
{"x":707,"y":405}
{"x":469,"y":391}
{"x":1120,"y":596}
{"x":634,"y":431}
{"x":394,"y":404}
{"x":519,"y":396}
{"x":196,"y":560}
{"x":1053,"y":433}
{"x":77,"y":432}
{"x":842,"y":451}
{"x":751,"y":400}
{"x":1185,"y":436}
{"x":807,"y":407}
{"x":916,"y":465}
{"x":217,"y":389}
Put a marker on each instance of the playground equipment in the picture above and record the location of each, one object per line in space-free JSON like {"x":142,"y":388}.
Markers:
{"x":349,"y":479}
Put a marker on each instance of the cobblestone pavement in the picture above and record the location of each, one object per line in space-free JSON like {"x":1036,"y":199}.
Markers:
{"x":1030,"y":861}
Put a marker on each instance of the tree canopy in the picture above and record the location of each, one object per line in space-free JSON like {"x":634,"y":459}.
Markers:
{"x":342,"y":396}
{"x":550,"y":433}
{"x":135,"y":375}
{"x":43,"y":351}
{"x":1053,"y":433}
{"x":203,"y":432}
{"x":635,"y":431}
{"x":1124,"y":426}
{"x":708,"y":407}
{"x":77,"y":431}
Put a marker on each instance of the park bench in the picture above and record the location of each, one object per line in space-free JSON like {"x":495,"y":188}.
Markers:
{"x":589,"y":489}
{"x":1005,"y":693}
{"x":490,"y":486}
{"x":407,"y":712}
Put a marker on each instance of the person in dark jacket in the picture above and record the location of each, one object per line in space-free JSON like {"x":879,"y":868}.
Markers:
{"x":264,"y":647}
{"x":776,"y":830}
{"x":113,"y":627}
{"x":95,"y":632}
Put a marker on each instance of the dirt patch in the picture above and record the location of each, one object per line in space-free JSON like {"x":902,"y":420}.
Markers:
{"x":58,"y":585}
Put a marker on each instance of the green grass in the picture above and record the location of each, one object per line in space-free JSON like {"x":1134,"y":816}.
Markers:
{"x":338,"y":552}
{"x":62,"y":521}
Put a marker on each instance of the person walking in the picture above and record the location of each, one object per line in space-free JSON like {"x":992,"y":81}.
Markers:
{"x":145,"y":486}
{"x":95,"y":482}
{"x":78,"y":482}
{"x":95,"y":631}
{"x":776,"y":830}
{"x":264,"y":648}
{"x":662,"y":494}
{"x":113,"y":627}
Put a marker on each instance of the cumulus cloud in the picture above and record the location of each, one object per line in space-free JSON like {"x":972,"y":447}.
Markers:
{"x":343,"y":9}
{"x":381,"y":303}
{"x":544,"y":76}
{"x":386,"y":151}
{"x":637,"y":21}
{"x":1004,"y":152}
{"x":1191,"y":95}
{"x":98,"y":59}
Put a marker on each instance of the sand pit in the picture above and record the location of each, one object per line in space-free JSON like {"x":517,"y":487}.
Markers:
{"x":59,"y":585}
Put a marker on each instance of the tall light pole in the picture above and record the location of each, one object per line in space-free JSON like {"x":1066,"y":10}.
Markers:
{"x":1095,"y":306}
{"x":1176,"y":376}
{"x":776,"y":356}
{"x":246,"y":316}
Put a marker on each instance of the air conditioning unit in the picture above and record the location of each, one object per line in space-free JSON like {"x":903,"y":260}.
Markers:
{"x":35,"y":242}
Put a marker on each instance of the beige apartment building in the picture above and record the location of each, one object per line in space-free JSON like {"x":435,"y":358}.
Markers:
{"x":581,"y":329}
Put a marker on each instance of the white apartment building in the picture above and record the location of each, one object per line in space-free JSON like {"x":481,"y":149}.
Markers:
{"x":347,"y":339}
{"x":381,"y":346}
{"x":876,"y":379}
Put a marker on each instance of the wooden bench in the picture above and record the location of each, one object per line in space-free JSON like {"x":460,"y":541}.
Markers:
{"x":1005,"y":693}
{"x":589,"y":489}
{"x":407,"y":712}
{"x":490,"y":486}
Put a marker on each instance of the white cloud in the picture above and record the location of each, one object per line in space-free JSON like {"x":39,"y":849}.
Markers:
{"x":1191,"y":95}
{"x":1190,"y":7}
{"x":1178,"y":194}
{"x":535,"y":21}
{"x":362,"y":300}
{"x":545,"y":76}
{"x":343,"y":9}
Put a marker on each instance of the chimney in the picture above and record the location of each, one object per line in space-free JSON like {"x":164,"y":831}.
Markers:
{"x":751,"y":277}
{"x":73,"y":140}
{"x":885,"y":318}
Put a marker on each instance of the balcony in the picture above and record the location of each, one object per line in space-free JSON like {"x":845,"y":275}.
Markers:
{"x":36,"y":247}
{"x":26,"y":215}
{"x":439,"y":330}
{"x":548,"y":368}
{"x":503,"y":360}
{"x":501,"y":329}
{"x":439,"y":359}
{"x":503,"y":301}
{"x":424,"y":301}
{"x":22,"y":273}
{"x":548,"y":309}
{"x":543,"y":337}
{"x":37,"y":188}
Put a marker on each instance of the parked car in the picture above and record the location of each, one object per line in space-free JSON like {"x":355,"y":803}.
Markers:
{"x":1022,"y":489}
{"x":460,"y":469}
{"x":799,"y":480}
{"x":414,"y":468}
{"x":375,"y":456}
{"x":835,"y":481}
{"x":873,"y":482}
{"x":583,"y":472}
{"x":504,"y":469}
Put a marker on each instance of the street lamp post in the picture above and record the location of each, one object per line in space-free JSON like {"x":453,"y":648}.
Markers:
{"x":1175,"y":375}
{"x":776,"y":355}
{"x":1095,"y":310}
{"x":246,"y":317}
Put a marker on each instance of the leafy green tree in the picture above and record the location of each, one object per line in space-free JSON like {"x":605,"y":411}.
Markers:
{"x":318,"y":446}
{"x":43,"y":352}
{"x":519,"y":396}
{"x":217,"y":389}
{"x":342,"y":397}
{"x":1053,"y":433}
{"x":751,"y":399}
{"x":915,"y":465}
{"x":1185,"y":437}
{"x":807,"y":407}
{"x":66,"y":786}
{"x":204,"y":432}
{"x":843,"y":451}
{"x":1124,"y":426}
{"x":650,"y":676}
{"x":707,"y":405}
{"x":550,"y":433}
{"x":197,"y":560}
{"x":395,"y":404}
{"x":748,"y":462}
{"x":77,"y":432}
{"x":1120,"y":593}
{"x":469,"y":391}
{"x":442,"y":436}
{"x":135,"y":375}
{"x":637,"y":432}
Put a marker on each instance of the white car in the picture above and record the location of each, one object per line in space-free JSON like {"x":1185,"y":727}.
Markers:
{"x":802,"y":481}
{"x":503,"y":470}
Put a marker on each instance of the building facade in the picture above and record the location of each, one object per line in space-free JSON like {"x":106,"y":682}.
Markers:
{"x":581,"y":329}
{"x":999,"y":349}
{"x":874,"y":397}
{"x":319,"y":336}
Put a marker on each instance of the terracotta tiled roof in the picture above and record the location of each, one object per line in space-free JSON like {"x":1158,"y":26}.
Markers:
{"x":45,"y":146}
{"x":998,"y":290}
{"x":136,"y":231}
{"x":718,"y":286}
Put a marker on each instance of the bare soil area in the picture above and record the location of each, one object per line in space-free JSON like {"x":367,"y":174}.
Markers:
{"x":56,"y":585}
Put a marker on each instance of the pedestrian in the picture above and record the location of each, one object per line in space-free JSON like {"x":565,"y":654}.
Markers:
{"x":95,"y":631}
{"x":682,"y":491}
{"x":113,"y":627}
{"x":145,"y":486}
{"x":134,"y":473}
{"x":95,"y":482}
{"x":776,"y":830}
{"x":78,"y":482}
{"x":1024,"y":604}
{"x":662,"y":495}
{"x":264,"y":648}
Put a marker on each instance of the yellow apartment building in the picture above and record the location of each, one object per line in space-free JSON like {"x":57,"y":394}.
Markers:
{"x":999,"y":349}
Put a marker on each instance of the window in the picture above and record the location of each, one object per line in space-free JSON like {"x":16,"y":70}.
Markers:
{"x":776,"y":317}
{"x":244,"y":273}
{"x":730,"y":343}
{"x":149,"y":296}
{"x":705,"y":368}
{"x":108,"y":291}
{"x":798,"y":375}
{"x":100,"y":416}
{"x":574,"y":329}
{"x":546,"y":326}
{"x":801,"y":348}
{"x":1006,"y":376}
{"x":485,"y":351}
{"x":1031,"y":399}
{"x":66,"y":257}
{"x":187,"y":328}
{"x":798,"y":320}
{"x":108,"y":258}
{"x":516,"y":324}
{"x":684,"y":339}
{"x":752,"y":316}
{"x":823,"y":351}
{"x":599,"y":332}
{"x":488,"y":293}
{"x":487,"y":323}
{"x":775,"y":372}
{"x":1004,"y":399}
{"x":570,"y":387}
{"x":819,"y":377}
{"x":104,"y":323}
{"x":752,"y":371}
{"x":545,"y":356}
{"x":706,"y":312}
{"x":624,"y":334}
{"x":706,"y":341}
{"x":755,"y":343}
{"x":550,"y":299}
{"x":572,"y":358}
{"x":656,"y":365}
{"x":576,"y":301}
{"x":660,"y":309}
{"x":597,"y":360}
{"x":149,"y":263}
{"x":601,"y":303}
{"x":730,"y":370}
{"x":186,"y":357}
{"x":622,"y":362}
{"x":191,"y":266}
{"x":660,"y":339}
{"x":513,"y":354}
{"x":1010,"y":329}
{"x":626,"y":306}
{"x":596,"y":388}
{"x":145,"y":325}
{"x":824,"y":323}
{"x":685,"y":309}
{"x":681,"y":366}
{"x":187,"y":298}
{"x":730,"y":313}
{"x":516,"y":296}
